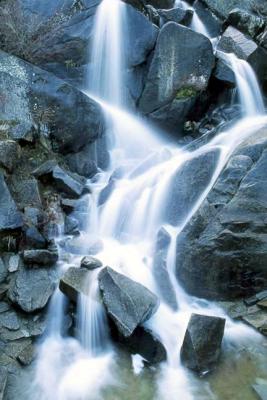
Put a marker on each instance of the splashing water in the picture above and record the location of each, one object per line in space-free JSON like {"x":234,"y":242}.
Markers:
{"x":248,"y":89}
{"x":127,"y":221}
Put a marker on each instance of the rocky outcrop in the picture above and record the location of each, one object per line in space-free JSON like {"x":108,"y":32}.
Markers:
{"x":202,"y":343}
{"x":128,"y":303}
{"x":221,"y":253}
{"x":177,"y":75}
{"x":10,"y":217}
{"x":73,"y":283}
{"x":48,"y":104}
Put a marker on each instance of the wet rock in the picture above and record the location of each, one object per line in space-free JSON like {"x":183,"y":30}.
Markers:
{"x":202,"y":343}
{"x":10,"y":320}
{"x":83,"y":162}
{"x":144,"y":342}
{"x":40,"y":257}
{"x":31,"y":289}
{"x":263,"y":304}
{"x":13,"y":263}
{"x":234,"y":41}
{"x":70,"y":118}
{"x":3,"y":271}
{"x":246,"y":22}
{"x":73,"y":186}
{"x":127,"y":302}
{"x":26,"y":193}
{"x":34,"y":239}
{"x":91,"y":263}
{"x":224,"y":73}
{"x":177,"y":73}
{"x":221,"y":252}
{"x":9,"y":154}
{"x":83,"y":245}
{"x":68,"y":205}
{"x":27,"y":355}
{"x":257,"y":320}
{"x":71,"y":226}
{"x":261,"y":389}
{"x":178,"y":15}
{"x":10,"y":217}
{"x":73,"y":282}
{"x":160,"y":271}
{"x":3,"y":382}
{"x":223,"y":8}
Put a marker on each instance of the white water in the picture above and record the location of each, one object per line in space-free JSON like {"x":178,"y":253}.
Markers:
{"x":196,"y":24}
{"x":127,"y":223}
{"x":248,"y":89}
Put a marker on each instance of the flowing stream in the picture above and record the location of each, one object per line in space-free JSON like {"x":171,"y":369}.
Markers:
{"x":140,"y":175}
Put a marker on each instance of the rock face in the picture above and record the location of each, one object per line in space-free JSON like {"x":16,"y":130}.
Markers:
{"x":128,"y":303}
{"x":223,"y":8}
{"x":177,"y":74}
{"x":202,"y":343}
{"x":221,"y":253}
{"x":246,"y":22}
{"x":31,"y":289}
{"x":70,"y":118}
{"x":10,"y":217}
{"x":234,"y":41}
{"x":73,"y":283}
{"x":40,"y":257}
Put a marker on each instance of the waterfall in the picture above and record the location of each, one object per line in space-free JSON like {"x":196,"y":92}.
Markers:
{"x":249,"y":93}
{"x":127,"y":222}
{"x":196,"y":24}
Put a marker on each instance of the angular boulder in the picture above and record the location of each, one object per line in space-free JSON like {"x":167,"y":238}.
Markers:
{"x":178,"y":15}
{"x":180,"y":69}
{"x":221,"y":253}
{"x":70,"y":117}
{"x":73,"y":282}
{"x":127,"y":302}
{"x":31,"y":289}
{"x":40,"y":257}
{"x":234,"y":41}
{"x":246,"y":22}
{"x":223,"y":8}
{"x":10,"y":217}
{"x":202,"y":343}
{"x":9,"y":154}
{"x":70,"y":184}
{"x":91,"y":263}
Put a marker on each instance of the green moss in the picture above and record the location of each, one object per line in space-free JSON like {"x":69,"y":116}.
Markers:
{"x":184,"y":93}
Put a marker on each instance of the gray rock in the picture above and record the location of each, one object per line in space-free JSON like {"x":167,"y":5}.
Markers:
{"x":26,"y":193}
{"x":202,"y":343}
{"x":13,"y":263}
{"x":3,"y":271}
{"x":9,"y":154}
{"x":224,"y":73}
{"x":246,"y":22}
{"x":10,"y":217}
{"x":221,"y":253}
{"x":10,"y":320}
{"x":128,"y":303}
{"x":31,"y":289}
{"x":71,"y":185}
{"x":177,"y":72}
{"x":178,"y":15}
{"x":34,"y":239}
{"x":91,"y":263}
{"x":261,"y":389}
{"x":73,"y":282}
{"x":71,"y":226}
{"x":84,"y":162}
{"x":40,"y":257}
{"x":3,"y":382}
{"x":27,"y":355}
{"x":69,"y":117}
{"x":223,"y":8}
{"x":234,"y":41}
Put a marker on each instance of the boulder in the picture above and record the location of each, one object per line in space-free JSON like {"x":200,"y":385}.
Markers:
{"x":221,"y":253}
{"x":26,"y":192}
{"x":201,"y":347}
{"x":34,"y":239}
{"x":70,"y":117}
{"x":10,"y":217}
{"x":223,"y":8}
{"x":91,"y":263}
{"x":127,"y":302}
{"x":3,"y":382}
{"x":246,"y":22}
{"x":71,"y":226}
{"x":3,"y":271}
{"x":13,"y":263}
{"x":178,"y":15}
{"x":72,"y":185}
{"x":84,"y":162}
{"x":224,"y":73}
{"x":260,"y":388}
{"x":30,"y":290}
{"x":141,"y":4}
{"x":144,"y":342}
{"x":160,"y":271}
{"x":177,"y":73}
{"x":234,"y":41}
{"x":40,"y":257}
{"x":9,"y":154}
{"x":73,"y":282}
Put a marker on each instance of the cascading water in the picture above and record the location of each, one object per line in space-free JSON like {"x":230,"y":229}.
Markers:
{"x":196,"y":24}
{"x":248,"y":89}
{"x":127,"y":222}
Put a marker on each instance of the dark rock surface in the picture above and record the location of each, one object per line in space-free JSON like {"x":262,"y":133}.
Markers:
{"x":73,"y":282}
{"x":31,"y":288}
{"x":221,"y":253}
{"x":40,"y":257}
{"x":128,"y":303}
{"x":178,"y":15}
{"x":202,"y":343}
{"x":223,"y":8}
{"x":10,"y":217}
{"x":246,"y":22}
{"x":90,"y":263}
{"x":177,"y":73}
